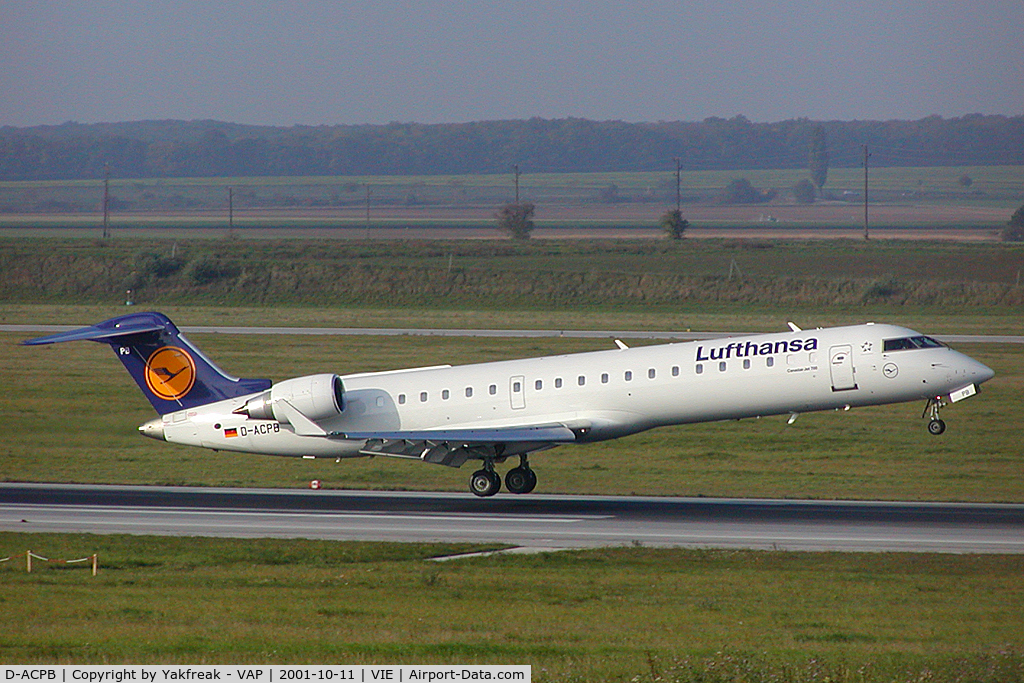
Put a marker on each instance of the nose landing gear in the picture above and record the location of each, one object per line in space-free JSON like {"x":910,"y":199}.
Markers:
{"x":935,"y":424}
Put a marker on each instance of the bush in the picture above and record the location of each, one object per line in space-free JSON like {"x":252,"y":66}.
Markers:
{"x":673,"y":224}
{"x":206,"y":269}
{"x":158,"y":265}
{"x":1014,"y":230}
{"x":740,"y":191}
{"x":516,"y":220}
{"x":804,"y":192}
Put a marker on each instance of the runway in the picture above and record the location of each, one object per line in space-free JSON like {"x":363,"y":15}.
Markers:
{"x":469,"y":332}
{"x":532,"y":521}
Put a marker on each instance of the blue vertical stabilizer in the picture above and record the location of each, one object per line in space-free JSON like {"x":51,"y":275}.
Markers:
{"x":172,"y":373}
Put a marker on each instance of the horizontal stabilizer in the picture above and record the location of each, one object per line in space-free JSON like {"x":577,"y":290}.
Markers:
{"x":96,"y":333}
{"x":545,"y":434}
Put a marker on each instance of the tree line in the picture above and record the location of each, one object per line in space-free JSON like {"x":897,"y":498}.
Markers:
{"x":155,"y":149}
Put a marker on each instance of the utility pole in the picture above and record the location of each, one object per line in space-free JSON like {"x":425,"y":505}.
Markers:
{"x":515,"y":169}
{"x":679,"y":195}
{"x":367,"y":211}
{"x":106,"y":201}
{"x":231,"y":213}
{"x":866,"y":156}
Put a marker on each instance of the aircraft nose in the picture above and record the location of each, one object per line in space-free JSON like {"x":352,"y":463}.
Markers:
{"x":982,"y":372}
{"x":974,"y":371}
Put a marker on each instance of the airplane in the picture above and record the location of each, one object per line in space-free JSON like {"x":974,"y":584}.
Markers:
{"x":489,"y":412}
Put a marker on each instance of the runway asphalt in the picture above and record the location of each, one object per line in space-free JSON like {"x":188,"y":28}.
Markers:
{"x":531,"y":521}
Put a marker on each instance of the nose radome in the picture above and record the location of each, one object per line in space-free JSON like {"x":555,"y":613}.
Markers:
{"x":983,"y":373}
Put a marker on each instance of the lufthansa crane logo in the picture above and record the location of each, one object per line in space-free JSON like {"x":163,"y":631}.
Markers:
{"x":170,"y":373}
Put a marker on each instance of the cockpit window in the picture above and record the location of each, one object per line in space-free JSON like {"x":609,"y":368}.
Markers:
{"x":909,"y":343}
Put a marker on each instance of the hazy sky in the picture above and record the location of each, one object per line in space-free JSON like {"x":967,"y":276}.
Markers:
{"x":328,"y":62}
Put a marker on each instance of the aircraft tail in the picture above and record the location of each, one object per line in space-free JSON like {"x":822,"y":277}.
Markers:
{"x":170,"y":371}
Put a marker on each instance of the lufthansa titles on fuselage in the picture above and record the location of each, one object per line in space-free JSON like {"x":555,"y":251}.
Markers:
{"x":742,"y":349}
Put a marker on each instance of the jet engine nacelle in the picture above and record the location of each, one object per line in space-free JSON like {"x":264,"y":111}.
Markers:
{"x":317,"y":397}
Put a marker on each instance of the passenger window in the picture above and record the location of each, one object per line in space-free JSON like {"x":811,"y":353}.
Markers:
{"x":401,"y":399}
{"x":469,"y":392}
{"x":581,"y":380}
{"x":722,"y":366}
{"x":746,"y":363}
{"x":493,"y":389}
{"x":423,"y":397}
{"x":445,"y":394}
{"x":558,"y":383}
{"x":700,"y":368}
{"x":538,"y":385}
{"x":517,"y":387}
{"x":675,"y":370}
{"x":604,"y":378}
{"x":380,"y":401}
{"x":770,"y":361}
{"x":651,"y":373}
{"x":629,"y":375}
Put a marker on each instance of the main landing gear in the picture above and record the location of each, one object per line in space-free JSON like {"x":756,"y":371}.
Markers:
{"x":935,"y":424}
{"x":487,"y":482}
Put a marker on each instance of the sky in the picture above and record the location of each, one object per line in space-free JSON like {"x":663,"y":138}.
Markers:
{"x":315,"y":62}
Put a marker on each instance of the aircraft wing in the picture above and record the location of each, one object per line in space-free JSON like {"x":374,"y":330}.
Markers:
{"x":453,"y":447}
{"x":528,"y":434}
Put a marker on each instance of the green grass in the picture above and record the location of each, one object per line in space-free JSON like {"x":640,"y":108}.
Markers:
{"x":839,"y":276}
{"x":69,"y":413}
{"x":997,"y":181}
{"x":589,"y":615}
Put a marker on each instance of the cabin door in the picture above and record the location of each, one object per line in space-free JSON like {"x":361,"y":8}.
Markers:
{"x":517,"y":392}
{"x":840,"y":364}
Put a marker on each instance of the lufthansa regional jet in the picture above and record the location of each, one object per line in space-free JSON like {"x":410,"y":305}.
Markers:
{"x":489,"y":412}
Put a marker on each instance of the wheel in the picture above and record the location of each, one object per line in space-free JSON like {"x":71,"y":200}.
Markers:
{"x":520,"y":480}
{"x":936,"y":427}
{"x":484,"y":483}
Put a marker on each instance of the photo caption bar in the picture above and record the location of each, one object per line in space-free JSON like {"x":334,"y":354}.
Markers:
{"x":110,"y":673}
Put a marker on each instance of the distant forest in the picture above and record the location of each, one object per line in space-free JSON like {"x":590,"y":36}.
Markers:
{"x":168,"y":149}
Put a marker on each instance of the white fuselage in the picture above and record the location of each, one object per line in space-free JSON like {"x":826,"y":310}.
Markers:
{"x":607,"y":394}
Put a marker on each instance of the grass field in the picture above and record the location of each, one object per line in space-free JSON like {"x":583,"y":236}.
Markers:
{"x":627,"y":614}
{"x":696,"y":276}
{"x":434,"y":206}
{"x":591,"y":615}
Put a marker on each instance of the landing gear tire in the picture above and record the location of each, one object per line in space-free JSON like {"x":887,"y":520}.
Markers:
{"x":936,"y":427}
{"x":520,"y":480}
{"x":485,"y":483}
